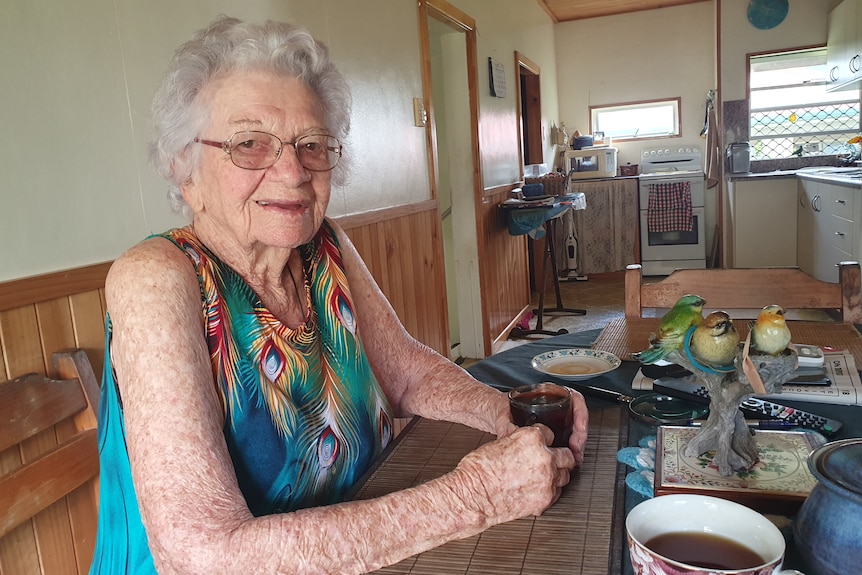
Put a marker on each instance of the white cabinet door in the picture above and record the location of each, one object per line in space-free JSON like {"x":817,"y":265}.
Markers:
{"x":828,"y":227}
{"x":843,"y":46}
{"x":807,"y":190}
{"x":764,"y":222}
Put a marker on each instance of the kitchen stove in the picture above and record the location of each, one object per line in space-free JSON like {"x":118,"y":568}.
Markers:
{"x":679,"y":169}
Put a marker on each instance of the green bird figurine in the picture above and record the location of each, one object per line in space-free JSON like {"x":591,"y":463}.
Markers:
{"x":685,"y":313}
{"x":769,"y":332}
{"x":714,"y":342}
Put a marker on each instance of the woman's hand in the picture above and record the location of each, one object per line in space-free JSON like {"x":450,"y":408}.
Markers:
{"x":515,"y":476}
{"x":580,"y":423}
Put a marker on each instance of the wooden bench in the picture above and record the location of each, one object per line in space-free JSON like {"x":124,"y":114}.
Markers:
{"x":49,"y":467}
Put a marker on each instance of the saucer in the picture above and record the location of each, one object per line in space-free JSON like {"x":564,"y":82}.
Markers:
{"x":575,"y":364}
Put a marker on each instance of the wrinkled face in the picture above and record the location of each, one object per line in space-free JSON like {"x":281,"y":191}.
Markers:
{"x":282,"y":205}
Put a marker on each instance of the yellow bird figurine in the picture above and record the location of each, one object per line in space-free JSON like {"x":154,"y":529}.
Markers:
{"x":685,"y":313}
{"x":714,"y":342}
{"x":769,"y":332}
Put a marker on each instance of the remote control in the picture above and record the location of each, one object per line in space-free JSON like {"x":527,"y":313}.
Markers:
{"x":752,"y":407}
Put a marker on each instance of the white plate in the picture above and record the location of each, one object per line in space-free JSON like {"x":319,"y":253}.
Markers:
{"x":576,"y":364}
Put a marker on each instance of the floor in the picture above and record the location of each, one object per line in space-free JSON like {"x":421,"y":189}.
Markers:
{"x":601,"y":295}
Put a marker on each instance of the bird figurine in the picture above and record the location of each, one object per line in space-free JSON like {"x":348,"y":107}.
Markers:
{"x":769,"y":332}
{"x":713,"y":343}
{"x":685,"y":313}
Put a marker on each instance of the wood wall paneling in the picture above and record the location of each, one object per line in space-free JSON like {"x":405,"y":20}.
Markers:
{"x":504,"y":266}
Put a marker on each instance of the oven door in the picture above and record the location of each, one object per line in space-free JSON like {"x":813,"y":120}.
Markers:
{"x":661,"y":246}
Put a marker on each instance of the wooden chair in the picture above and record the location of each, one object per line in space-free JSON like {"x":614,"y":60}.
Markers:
{"x":49,"y":467}
{"x":749,"y":288}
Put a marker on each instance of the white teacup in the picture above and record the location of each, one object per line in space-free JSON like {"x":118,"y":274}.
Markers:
{"x":684,"y":529}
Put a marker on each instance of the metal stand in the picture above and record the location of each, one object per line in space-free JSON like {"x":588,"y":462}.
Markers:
{"x":550,"y":253}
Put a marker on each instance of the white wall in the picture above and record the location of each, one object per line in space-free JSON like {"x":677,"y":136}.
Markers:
{"x":76,"y":84}
{"x":664,"y":53}
{"x":504,"y":27}
{"x":805,"y":25}
{"x":78,"y":77}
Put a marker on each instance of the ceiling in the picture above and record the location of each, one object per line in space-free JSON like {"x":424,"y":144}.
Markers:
{"x":567,"y":10}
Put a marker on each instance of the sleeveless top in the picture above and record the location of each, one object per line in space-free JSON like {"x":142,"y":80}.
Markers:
{"x":304,"y":415}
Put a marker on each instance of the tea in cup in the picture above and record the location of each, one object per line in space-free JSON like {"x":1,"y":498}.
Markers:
{"x":687,"y":533}
{"x":545,"y":403}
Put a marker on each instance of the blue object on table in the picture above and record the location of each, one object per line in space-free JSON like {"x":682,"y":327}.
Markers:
{"x":642,"y":459}
{"x":525,"y":219}
{"x":533,"y":190}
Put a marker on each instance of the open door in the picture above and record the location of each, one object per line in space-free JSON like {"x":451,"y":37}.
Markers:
{"x":449,"y":58}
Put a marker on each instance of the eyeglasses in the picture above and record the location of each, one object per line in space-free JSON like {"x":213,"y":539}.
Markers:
{"x":259,"y":150}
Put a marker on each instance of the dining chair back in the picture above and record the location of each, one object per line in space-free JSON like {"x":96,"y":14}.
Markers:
{"x":49,"y":467}
{"x":749,"y":288}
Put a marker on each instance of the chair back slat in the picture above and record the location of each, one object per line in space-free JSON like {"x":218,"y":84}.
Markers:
{"x":33,"y":403}
{"x":749,"y":288}
{"x":33,"y":487}
{"x":49,"y":478}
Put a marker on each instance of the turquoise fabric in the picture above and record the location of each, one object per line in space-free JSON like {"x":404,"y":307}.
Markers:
{"x":304,"y":414}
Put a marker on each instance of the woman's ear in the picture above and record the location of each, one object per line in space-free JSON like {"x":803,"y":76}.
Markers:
{"x":192,"y":195}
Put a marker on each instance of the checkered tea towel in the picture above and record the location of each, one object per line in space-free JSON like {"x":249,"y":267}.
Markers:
{"x":669,"y":208}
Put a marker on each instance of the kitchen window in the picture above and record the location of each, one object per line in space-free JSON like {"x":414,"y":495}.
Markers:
{"x":791,"y":112}
{"x":637,"y":120}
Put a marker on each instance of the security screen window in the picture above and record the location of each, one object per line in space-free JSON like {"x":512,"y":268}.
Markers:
{"x":791,"y":112}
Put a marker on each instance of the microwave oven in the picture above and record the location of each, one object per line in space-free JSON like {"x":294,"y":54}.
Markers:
{"x":593,"y":162}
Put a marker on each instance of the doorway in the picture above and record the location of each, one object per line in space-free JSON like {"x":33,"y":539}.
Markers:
{"x":453,"y":143}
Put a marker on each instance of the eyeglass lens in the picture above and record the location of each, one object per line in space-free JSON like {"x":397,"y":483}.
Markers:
{"x":259,"y":150}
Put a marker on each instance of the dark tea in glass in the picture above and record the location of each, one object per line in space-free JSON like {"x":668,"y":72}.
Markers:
{"x":544,"y":403}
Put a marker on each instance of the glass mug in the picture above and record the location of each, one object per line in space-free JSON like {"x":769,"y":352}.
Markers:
{"x":545,"y":403}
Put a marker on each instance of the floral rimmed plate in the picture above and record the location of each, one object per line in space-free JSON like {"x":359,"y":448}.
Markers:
{"x":575,"y":364}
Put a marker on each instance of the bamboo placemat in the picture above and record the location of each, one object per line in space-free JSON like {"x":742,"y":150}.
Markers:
{"x":574,"y":536}
{"x":624,"y":336}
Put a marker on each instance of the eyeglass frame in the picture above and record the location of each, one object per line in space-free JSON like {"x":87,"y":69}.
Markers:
{"x":227,"y":147}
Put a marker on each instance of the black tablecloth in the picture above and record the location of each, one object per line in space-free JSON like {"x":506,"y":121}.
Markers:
{"x":511,"y":368}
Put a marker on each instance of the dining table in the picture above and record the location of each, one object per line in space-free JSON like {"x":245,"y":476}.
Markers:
{"x":584,"y":531}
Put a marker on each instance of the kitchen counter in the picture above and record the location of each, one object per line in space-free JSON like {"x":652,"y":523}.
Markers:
{"x":834,"y":175}
{"x":762,"y":175}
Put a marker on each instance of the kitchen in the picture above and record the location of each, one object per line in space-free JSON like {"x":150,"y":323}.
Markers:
{"x":690,"y":48}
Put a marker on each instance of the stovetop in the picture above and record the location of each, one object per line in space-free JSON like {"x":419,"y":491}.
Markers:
{"x":664,"y":161}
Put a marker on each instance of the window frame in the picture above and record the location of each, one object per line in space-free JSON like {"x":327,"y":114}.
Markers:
{"x":675,"y":102}
{"x":748,"y":99}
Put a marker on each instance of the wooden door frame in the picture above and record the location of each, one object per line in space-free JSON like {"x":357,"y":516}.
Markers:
{"x":529,"y":69}
{"x":445,"y":12}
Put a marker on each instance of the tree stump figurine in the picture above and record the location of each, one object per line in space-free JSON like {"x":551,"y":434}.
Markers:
{"x":725,"y":430}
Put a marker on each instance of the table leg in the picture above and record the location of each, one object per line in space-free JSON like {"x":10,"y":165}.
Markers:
{"x":549,"y":254}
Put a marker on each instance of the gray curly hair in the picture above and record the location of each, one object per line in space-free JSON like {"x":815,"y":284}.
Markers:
{"x":225,"y":45}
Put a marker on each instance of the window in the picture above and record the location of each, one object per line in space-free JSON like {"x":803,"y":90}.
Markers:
{"x":791,"y":112}
{"x":637,"y":120}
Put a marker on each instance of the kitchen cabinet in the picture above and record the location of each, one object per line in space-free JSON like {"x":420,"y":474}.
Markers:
{"x":763,"y":219}
{"x":828,"y":227}
{"x":844,"y":46}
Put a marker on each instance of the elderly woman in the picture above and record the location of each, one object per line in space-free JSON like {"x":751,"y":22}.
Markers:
{"x":253,"y":365}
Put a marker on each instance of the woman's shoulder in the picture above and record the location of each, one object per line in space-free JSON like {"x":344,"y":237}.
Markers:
{"x":154,"y":263}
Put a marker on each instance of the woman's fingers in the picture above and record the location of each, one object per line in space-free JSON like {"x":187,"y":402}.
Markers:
{"x":581,"y":420}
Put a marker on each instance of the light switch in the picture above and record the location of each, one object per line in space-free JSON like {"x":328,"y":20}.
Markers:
{"x":420,"y":116}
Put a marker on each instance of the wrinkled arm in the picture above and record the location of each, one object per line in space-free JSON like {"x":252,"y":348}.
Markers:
{"x":419,"y":381}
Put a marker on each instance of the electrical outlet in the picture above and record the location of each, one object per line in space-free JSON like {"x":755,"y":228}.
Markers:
{"x":420,"y":116}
